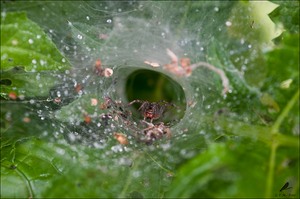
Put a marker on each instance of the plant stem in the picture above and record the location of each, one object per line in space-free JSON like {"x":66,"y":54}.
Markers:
{"x":274,"y":131}
{"x":285,"y":112}
{"x":27,"y":182}
{"x":270,"y":177}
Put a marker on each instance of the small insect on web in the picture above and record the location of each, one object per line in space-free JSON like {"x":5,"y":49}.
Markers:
{"x":184,"y":68}
{"x":106,"y":72}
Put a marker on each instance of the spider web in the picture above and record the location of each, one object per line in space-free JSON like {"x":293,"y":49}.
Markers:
{"x":124,"y":41}
{"x":124,"y":36}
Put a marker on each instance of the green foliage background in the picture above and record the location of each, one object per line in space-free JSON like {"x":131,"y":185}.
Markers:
{"x":244,"y":145}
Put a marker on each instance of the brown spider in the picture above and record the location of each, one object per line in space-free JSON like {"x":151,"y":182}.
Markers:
{"x":155,"y":131}
{"x":152,"y":110}
{"x":149,"y":110}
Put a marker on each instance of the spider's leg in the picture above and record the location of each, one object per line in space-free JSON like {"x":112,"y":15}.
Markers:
{"x":134,"y":101}
{"x":145,"y":122}
{"x":141,"y":107}
{"x":148,"y":128}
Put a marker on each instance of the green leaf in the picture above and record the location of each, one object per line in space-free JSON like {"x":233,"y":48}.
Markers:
{"x":250,"y":22}
{"x":282,"y":80}
{"x":28,"y":164}
{"x":24,"y":46}
{"x":283,"y":61}
{"x":233,"y":170}
{"x":28,"y":84}
{"x":287,"y":14}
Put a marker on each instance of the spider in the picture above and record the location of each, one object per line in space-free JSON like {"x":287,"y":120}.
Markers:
{"x":155,"y":131}
{"x":152,"y":110}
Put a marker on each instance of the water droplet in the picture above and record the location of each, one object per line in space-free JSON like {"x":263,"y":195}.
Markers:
{"x":42,"y":62}
{"x":201,"y":48}
{"x":14,"y":42}
{"x":33,"y":61}
{"x":79,"y":36}
{"x":63,"y":60}
{"x":38,"y":36}
{"x":60,"y":151}
{"x":3,"y":14}
{"x":30,"y":41}
{"x":244,"y":68}
{"x":136,"y":174}
{"x":87,"y":18}
{"x":4,"y":56}
{"x":38,"y":77}
{"x":228,"y":23}
{"x":80,"y":92}
{"x":249,"y":46}
{"x":216,"y":9}
{"x":108,"y":20}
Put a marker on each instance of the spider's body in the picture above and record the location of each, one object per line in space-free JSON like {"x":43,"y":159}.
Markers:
{"x":149,"y":131}
{"x":151,"y":110}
